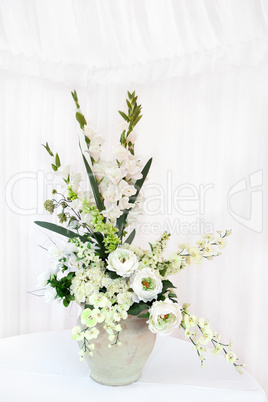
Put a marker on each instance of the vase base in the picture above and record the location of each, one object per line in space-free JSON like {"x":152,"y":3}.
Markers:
{"x":115,"y":383}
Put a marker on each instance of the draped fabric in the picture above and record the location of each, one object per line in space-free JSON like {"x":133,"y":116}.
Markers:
{"x":200,"y":71}
{"x":80,"y":42}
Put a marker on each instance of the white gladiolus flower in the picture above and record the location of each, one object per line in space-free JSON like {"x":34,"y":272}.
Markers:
{"x":112,"y":193}
{"x":122,"y":261}
{"x":120,"y":152}
{"x":132,"y":137}
{"x":63,"y":171}
{"x":146,"y":284}
{"x":112,"y":212}
{"x":115,"y":174}
{"x":99,"y":168}
{"x":95,"y":147}
{"x":89,"y":131}
{"x":164,"y":317}
{"x":124,"y":204}
{"x":75,"y":181}
{"x":126,"y":189}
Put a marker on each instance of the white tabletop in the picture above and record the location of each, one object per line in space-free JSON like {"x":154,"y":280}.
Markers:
{"x":45,"y":367}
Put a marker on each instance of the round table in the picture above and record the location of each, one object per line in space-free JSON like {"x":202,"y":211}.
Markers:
{"x":45,"y":367}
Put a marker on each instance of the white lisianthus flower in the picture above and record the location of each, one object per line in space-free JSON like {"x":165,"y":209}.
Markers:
{"x":122,"y":261}
{"x":73,"y":264}
{"x":112,"y":193}
{"x":146,"y":284}
{"x":55,"y":252}
{"x":50,"y":294}
{"x":120,"y":152}
{"x":164,"y":317}
{"x":43,"y":278}
{"x":69,"y":249}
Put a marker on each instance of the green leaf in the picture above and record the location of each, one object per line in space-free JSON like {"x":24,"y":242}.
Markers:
{"x":57,"y":160}
{"x":113,"y":275}
{"x":48,"y":149}
{"x":167,"y":285}
{"x":75,"y":98}
{"x":93,"y":183}
{"x":61,"y":230}
{"x":137,"y":308}
{"x":146,"y":315}
{"x":125,"y":117}
{"x":151,"y":246}
{"x":54,"y":167}
{"x":130,"y":238}
{"x":81,"y":119}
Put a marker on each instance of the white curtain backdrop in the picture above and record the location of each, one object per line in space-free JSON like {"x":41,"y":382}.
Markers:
{"x":200,"y":69}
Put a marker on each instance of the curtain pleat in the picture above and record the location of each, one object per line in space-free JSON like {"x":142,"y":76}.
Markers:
{"x":200,"y":70}
{"x":130,"y":41}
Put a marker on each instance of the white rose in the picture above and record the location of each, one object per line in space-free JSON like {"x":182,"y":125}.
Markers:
{"x":122,"y":261}
{"x":146,"y":284}
{"x":164,"y":317}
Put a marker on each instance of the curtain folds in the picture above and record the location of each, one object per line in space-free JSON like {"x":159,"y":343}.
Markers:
{"x":130,"y":41}
{"x":199,"y":68}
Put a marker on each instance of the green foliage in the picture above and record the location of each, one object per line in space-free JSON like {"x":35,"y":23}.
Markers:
{"x":130,"y":238}
{"x":62,"y":287}
{"x":132,"y":118}
{"x":137,"y":308}
{"x":61,"y":230}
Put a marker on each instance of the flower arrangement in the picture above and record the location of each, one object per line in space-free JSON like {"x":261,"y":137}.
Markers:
{"x":99,"y":267}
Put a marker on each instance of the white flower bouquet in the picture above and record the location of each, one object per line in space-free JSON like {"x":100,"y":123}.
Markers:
{"x":99,"y":268}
